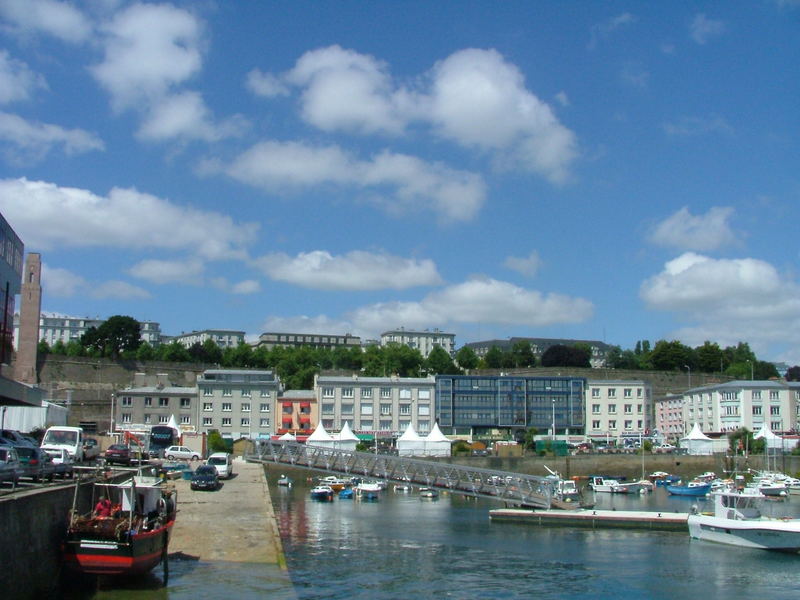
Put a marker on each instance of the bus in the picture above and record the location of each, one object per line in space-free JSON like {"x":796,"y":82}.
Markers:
{"x":161,"y":437}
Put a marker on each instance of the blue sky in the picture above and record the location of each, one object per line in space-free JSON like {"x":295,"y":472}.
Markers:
{"x":595,"y":170}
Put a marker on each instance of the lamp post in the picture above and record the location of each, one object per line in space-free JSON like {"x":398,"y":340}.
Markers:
{"x":689,"y":373}
{"x":751,"y":369}
{"x":554,"y":420}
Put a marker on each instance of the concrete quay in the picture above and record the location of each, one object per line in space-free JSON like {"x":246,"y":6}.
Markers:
{"x":235,"y":523}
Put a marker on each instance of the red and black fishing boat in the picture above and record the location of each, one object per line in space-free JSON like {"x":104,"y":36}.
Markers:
{"x":127,"y":533}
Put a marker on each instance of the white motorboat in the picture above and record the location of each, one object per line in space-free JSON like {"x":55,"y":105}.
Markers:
{"x":426,"y":492}
{"x":738,"y":520}
{"x":322,"y":492}
{"x":612,"y":486}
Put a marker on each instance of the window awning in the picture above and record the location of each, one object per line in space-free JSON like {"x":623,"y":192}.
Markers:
{"x":286,"y":404}
{"x":287,"y":420}
{"x":305,"y":419}
{"x":305,"y":405}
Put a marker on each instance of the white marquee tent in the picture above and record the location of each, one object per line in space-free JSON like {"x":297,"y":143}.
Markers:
{"x":345,"y":439}
{"x":774,"y":442}
{"x":410,"y":443}
{"x":321,"y":438}
{"x":436,"y":443}
{"x":697,"y":443}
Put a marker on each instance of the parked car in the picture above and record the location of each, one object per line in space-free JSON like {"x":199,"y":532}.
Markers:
{"x":118,"y":453}
{"x":183,"y":452}
{"x":205,"y":478}
{"x":664,"y":447}
{"x":36,"y":464}
{"x":10,"y":466}
{"x":17,"y":438}
{"x":223,"y":463}
{"x":91,"y":449}
{"x":63,"y":465}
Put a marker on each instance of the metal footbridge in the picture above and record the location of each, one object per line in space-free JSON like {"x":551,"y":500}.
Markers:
{"x":511,"y":488}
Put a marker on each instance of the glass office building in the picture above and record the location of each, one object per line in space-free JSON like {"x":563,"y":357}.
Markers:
{"x":477,"y":404}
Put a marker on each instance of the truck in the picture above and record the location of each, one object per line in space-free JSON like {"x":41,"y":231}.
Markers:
{"x":69,"y":438}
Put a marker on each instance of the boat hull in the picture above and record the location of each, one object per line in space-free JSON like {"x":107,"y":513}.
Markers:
{"x":99,"y":555}
{"x":682,"y":490}
{"x":765,"y":535}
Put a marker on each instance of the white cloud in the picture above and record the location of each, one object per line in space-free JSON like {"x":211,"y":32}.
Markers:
{"x":357,"y":270}
{"x":149,"y":49}
{"x":728,"y":300}
{"x":702,"y":29}
{"x":59,"y":19}
{"x":185,"y":115}
{"x":17,"y":81}
{"x":29,"y":142}
{"x":474,"y":98}
{"x":306,"y":324}
{"x":396,"y":181}
{"x":265,"y":85}
{"x":62,"y":283}
{"x":486,"y":301}
{"x":602,"y":31}
{"x":245,"y":287}
{"x":48,"y":217}
{"x":347,"y":91}
{"x":685,"y":231}
{"x":527,"y":265}
{"x":689,"y":126}
{"x":480,"y":100}
{"x":189,"y":272}
{"x":562,"y":98}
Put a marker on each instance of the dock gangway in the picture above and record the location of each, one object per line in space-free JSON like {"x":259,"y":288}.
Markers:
{"x":512,"y":488}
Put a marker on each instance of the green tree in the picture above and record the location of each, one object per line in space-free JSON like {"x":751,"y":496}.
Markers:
{"x":44,"y":348}
{"x":466,"y":358}
{"x":173,"y":352}
{"x":523,"y":354}
{"x":764,"y":370}
{"x":742,"y":440}
{"x":493,"y":358}
{"x":215,"y":442}
{"x":530,"y":434}
{"x":145,"y":352}
{"x":74,"y":348}
{"x":710,"y":357}
{"x":439,"y":362}
{"x":793,"y":373}
{"x":672,"y":356}
{"x":560,"y":355}
{"x":114,"y":336}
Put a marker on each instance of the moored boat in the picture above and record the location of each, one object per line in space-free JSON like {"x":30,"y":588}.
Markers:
{"x":613,"y":486}
{"x":429,"y":493}
{"x":128,"y":531}
{"x":738,"y":520}
{"x":346,"y":493}
{"x":322,"y":492}
{"x":693,"y":488}
{"x":285,"y":481}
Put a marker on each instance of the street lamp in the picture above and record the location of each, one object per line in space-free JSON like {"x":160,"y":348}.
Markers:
{"x":751,"y":369}
{"x":554,"y":419}
{"x":689,"y":373}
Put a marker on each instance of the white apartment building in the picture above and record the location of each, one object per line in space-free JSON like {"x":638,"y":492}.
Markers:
{"x":139,"y":408}
{"x":238,"y":402}
{"x":424,"y":341}
{"x":726,"y":407}
{"x":381,"y":406}
{"x":616,"y":410}
{"x":55,"y":328}
{"x":224,"y":338}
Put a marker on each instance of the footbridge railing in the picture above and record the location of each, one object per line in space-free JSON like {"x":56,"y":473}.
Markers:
{"x":511,"y":488}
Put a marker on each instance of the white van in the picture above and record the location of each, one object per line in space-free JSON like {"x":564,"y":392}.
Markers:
{"x":68,"y":438}
{"x":224,"y":464}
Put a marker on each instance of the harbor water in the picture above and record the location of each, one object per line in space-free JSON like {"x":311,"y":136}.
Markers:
{"x":402,"y":546}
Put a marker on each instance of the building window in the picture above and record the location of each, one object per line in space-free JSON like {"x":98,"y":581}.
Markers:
{"x":126,"y":417}
{"x":612,"y":409}
{"x":347,"y":392}
{"x":328,"y":392}
{"x":612,"y":424}
{"x":366,"y":392}
{"x":385,"y":425}
{"x":263,"y":407}
{"x":226,"y":407}
{"x":163,"y":419}
{"x":264,"y":393}
{"x":226,"y":421}
{"x":186,"y":420}
{"x":405,"y":394}
{"x":756,"y":410}
{"x":774,"y":410}
{"x":208,"y":406}
{"x":347,"y":409}
{"x":627,"y":393}
{"x":148,"y":401}
{"x":638,"y":392}
{"x":366,"y":409}
{"x":774,"y":395}
{"x":628,"y":409}
{"x":628,"y":425}
{"x":776,"y":426}
{"x":424,"y":394}
{"x":595,"y":392}
{"x":147,"y":419}
{"x":367,"y":425}
{"x":263,"y":422}
{"x":405,"y":409}
{"x":612,"y":392}
{"x":386,"y":392}
{"x":227,"y":392}
{"x":245,"y":393}
{"x":386,"y":409}
{"x":245,"y":422}
{"x":595,"y":409}
{"x":126,"y":401}
{"x":245,"y":407}
{"x":424,"y":410}
{"x":163,"y":401}
{"x":595,"y":425}
{"x":328,"y":408}
{"x":186,"y":402}
{"x":756,"y":394}
{"x":207,"y":421}
{"x":638,"y":409}
{"x":207,"y":391}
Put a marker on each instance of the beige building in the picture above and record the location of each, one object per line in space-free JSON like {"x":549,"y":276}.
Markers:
{"x":616,"y":410}
{"x":224,"y":338}
{"x":424,"y":341}
{"x":315,"y":340}
{"x":376,"y":405}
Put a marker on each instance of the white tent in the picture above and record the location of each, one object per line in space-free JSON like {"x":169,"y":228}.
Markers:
{"x":287,"y":437}
{"x":320,"y":437}
{"x":173,"y":423}
{"x":410,"y":443}
{"x":697,"y":443}
{"x":436,"y":443}
{"x":345,"y":439}
{"x":774,"y":442}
